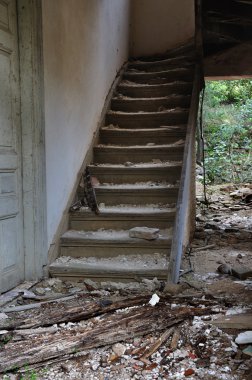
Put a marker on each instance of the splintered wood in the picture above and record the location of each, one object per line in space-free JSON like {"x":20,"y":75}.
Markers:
{"x":96,"y":324}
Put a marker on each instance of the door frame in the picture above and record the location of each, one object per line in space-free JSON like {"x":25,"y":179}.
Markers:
{"x":29,"y":15}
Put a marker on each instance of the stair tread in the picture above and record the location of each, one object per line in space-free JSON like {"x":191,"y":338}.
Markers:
{"x":158,"y":62}
{"x":144,"y":265}
{"x":169,"y":128}
{"x":144,"y":186}
{"x":124,"y":210}
{"x":158,"y":72}
{"x":148,"y":113}
{"x":139,"y":148}
{"x":138,"y":166}
{"x":152,"y":85}
{"x":167,"y":97}
{"x":149,"y":104}
{"x":119,"y":237}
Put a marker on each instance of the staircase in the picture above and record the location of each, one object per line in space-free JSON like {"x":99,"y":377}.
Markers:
{"x":137,"y":167}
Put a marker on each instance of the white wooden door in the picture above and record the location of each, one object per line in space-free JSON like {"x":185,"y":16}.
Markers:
{"x":11,"y":218}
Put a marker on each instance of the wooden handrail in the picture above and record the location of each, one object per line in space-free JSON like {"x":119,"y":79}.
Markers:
{"x":185,"y":213}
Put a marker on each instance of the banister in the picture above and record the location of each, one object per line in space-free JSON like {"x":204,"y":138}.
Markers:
{"x":185,"y":212}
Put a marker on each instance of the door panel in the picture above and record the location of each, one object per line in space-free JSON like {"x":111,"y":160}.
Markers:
{"x":11,"y":218}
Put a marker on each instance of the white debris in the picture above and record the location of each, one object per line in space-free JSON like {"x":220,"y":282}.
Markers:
{"x":244,"y":338}
{"x":237,"y":310}
{"x":154,"y":299}
{"x":119,"y":349}
{"x":3,"y":332}
{"x":3,"y":316}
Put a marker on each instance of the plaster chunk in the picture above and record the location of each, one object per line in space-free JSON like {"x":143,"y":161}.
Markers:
{"x":144,"y":233}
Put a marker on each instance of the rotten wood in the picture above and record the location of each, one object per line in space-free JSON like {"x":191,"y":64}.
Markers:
{"x":83,"y":355}
{"x":175,"y":338}
{"x":49,"y":314}
{"x":107,"y":330}
{"x":78,"y":307}
{"x":37,"y":305}
{"x":13,"y":294}
{"x":155,"y":346}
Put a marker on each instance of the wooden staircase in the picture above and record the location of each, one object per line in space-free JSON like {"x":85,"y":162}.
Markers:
{"x":137,"y":164}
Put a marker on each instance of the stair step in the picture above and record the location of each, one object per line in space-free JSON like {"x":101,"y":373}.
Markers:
{"x":106,"y":269}
{"x":127,"y":104}
{"x":134,"y":194}
{"x":163,"y":64}
{"x":126,"y":136}
{"x":169,"y":172}
{"x":159,"y":77}
{"x":136,"y":90}
{"x":109,"y":243}
{"x":123,"y":217}
{"x":147,"y":119}
{"x":121,"y":154}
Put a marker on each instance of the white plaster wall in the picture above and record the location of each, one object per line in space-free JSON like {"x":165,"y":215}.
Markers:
{"x":85,"y":43}
{"x":157,"y":25}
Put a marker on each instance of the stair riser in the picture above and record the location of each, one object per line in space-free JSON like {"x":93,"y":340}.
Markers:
{"x":110,"y":251}
{"x":93,"y":225}
{"x":98,"y":275}
{"x":149,"y":105}
{"x":147,"y":121}
{"x":111,"y":198}
{"x":170,"y":175}
{"x":120,"y":157}
{"x":163,"y":77}
{"x":155,"y":91}
{"x":117,"y":138}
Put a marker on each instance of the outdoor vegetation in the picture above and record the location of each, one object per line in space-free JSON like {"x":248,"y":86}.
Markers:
{"x":227,"y":122}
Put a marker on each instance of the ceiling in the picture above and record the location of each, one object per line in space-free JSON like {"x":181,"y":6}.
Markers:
{"x":226,"y":23}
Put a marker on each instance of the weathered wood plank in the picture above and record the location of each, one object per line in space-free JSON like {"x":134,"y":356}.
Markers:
{"x":51,"y":313}
{"x":108,"y":330}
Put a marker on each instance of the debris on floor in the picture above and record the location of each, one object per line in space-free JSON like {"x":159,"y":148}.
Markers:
{"x":145,"y":329}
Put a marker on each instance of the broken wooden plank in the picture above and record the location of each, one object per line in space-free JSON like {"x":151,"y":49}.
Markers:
{"x":155,"y":346}
{"x":13,"y":294}
{"x":49,"y":314}
{"x":175,"y":338}
{"x":108,"y":329}
{"x":37,"y":305}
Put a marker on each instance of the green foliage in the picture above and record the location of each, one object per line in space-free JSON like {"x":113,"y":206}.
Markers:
{"x":30,"y":374}
{"x":228,"y":92}
{"x":228,"y":131}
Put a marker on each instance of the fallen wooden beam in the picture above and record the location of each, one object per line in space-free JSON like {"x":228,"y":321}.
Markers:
{"x":108,"y":329}
{"x":61,"y":312}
